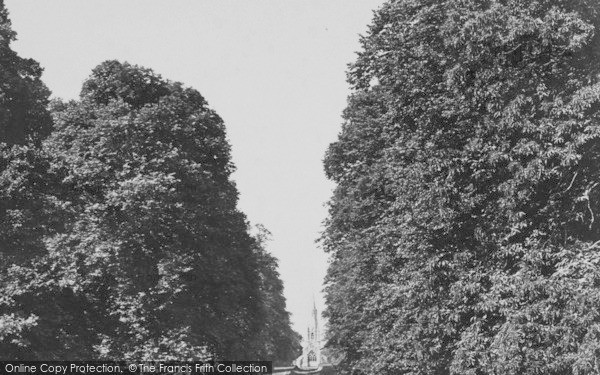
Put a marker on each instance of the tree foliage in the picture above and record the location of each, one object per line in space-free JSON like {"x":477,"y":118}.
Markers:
{"x":23,"y":96}
{"x":140,"y":252}
{"x":463,"y":230}
{"x":25,"y":211}
{"x":277,"y":341}
{"x":154,"y":226}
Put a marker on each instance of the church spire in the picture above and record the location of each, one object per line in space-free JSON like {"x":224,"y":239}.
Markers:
{"x":312,"y":357}
{"x":316,"y":319}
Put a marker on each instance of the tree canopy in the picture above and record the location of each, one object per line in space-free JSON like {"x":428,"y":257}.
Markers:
{"x":23,"y":96}
{"x":120,"y":236}
{"x":463,"y":229}
{"x":154,"y":223}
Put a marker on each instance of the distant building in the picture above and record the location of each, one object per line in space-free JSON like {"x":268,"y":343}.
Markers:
{"x":312,"y":345}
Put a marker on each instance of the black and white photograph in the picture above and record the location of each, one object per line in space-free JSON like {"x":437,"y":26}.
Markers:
{"x":285,"y":187}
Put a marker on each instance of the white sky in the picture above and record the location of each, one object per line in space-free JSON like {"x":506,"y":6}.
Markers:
{"x":274,"y":70}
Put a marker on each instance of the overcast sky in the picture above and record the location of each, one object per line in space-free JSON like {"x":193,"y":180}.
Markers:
{"x":273,"y":70}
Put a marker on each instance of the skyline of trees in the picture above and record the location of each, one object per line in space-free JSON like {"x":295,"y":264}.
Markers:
{"x":120,"y":234}
{"x":463,"y":229}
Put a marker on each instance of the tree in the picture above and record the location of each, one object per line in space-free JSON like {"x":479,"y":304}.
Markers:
{"x":24,"y":121}
{"x":276,"y":341}
{"x":463,"y":230}
{"x":26,"y":212}
{"x":23,"y":96}
{"x":158,"y":237}
{"x":152,"y":259}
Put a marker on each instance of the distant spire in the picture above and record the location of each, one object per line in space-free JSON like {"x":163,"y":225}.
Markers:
{"x":316,"y":319}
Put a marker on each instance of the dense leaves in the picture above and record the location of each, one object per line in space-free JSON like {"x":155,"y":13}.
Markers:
{"x":23,"y":97}
{"x":26,"y":213}
{"x":155,"y":231}
{"x":464,"y":224}
{"x":119,"y":232}
{"x":277,"y":340}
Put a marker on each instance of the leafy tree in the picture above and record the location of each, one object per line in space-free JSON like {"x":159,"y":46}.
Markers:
{"x":464,"y":227}
{"x":24,"y":121}
{"x":23,"y":96}
{"x":159,"y":242}
{"x":149,"y":257}
{"x":119,"y":232}
{"x":276,"y":341}
{"x":26,"y":212}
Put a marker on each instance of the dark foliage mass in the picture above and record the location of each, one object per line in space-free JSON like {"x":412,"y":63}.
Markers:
{"x":119,"y":232}
{"x":465,"y":224}
{"x":23,"y":97}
